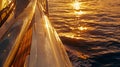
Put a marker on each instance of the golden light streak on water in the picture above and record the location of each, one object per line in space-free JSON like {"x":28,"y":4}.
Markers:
{"x":78,"y":13}
{"x":82,"y":28}
{"x":69,"y":35}
{"x":76,"y":6}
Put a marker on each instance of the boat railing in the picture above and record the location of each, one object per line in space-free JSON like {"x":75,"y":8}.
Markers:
{"x":44,"y":4}
{"x":47,"y":50}
{"x":11,"y":41}
{"x":15,"y":45}
{"x":5,"y":12}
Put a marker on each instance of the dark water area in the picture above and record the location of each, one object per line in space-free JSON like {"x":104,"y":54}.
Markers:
{"x":91,"y":33}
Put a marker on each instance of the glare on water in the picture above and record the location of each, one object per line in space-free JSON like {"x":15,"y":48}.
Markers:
{"x":76,"y":5}
{"x":82,"y":28}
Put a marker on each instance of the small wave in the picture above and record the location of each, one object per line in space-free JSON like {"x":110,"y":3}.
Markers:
{"x":107,"y":60}
{"x":107,"y":20}
{"x":101,"y":54}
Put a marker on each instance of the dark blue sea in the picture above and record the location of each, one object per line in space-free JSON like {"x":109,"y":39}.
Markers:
{"x":89,"y":30}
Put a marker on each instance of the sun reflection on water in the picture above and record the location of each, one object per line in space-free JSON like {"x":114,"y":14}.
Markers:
{"x":78,"y":27}
{"x":69,"y":35}
{"x":78,"y":12}
{"x":76,"y":5}
{"x":82,"y":28}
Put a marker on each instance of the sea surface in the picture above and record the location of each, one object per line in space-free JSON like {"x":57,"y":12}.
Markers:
{"x":90,"y":31}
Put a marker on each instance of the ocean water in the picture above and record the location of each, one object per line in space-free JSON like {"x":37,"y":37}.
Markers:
{"x":90,"y":32}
